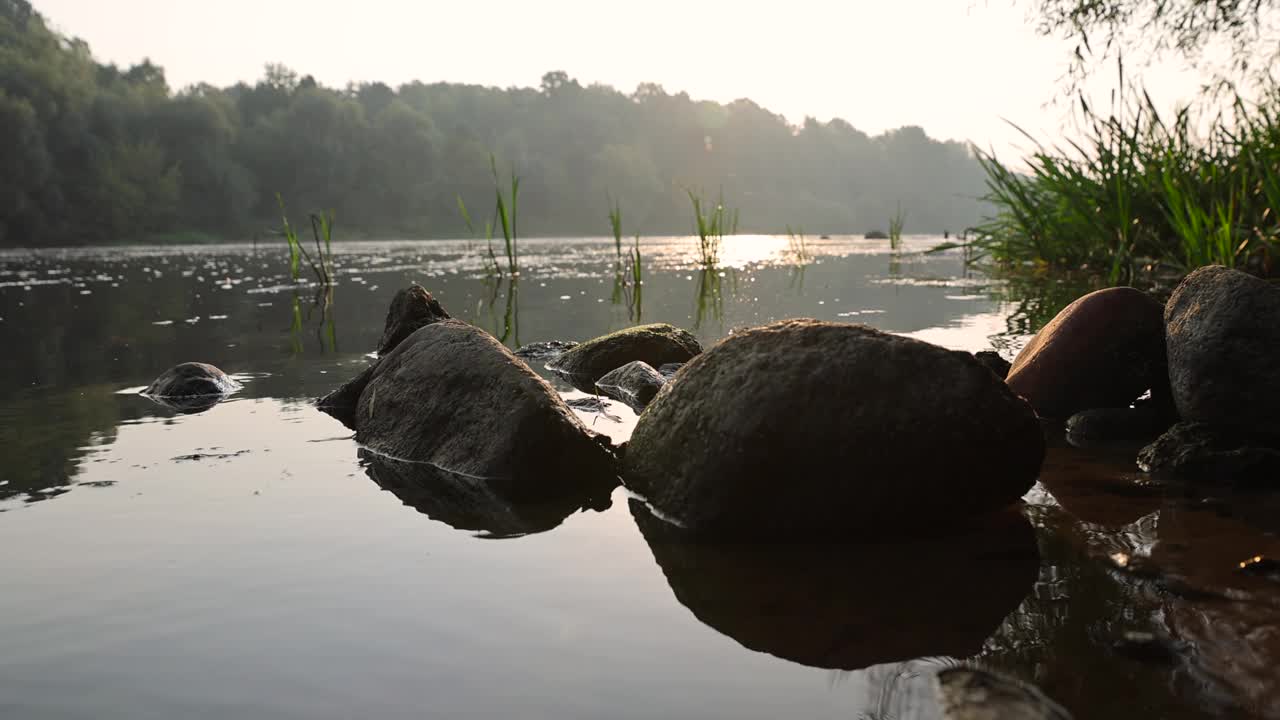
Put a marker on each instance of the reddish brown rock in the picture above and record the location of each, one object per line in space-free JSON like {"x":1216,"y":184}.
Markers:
{"x":1103,"y":350}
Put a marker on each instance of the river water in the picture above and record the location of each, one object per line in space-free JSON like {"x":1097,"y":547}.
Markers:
{"x":241,"y":562}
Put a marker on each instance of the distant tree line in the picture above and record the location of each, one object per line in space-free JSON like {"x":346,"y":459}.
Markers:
{"x":91,"y":153}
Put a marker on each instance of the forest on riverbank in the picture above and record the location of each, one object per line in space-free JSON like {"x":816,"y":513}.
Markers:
{"x":93,"y":153}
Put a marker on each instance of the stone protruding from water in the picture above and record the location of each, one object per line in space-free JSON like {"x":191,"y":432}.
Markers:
{"x":1222,"y":327}
{"x":191,"y":387}
{"x":411,"y":308}
{"x":655,"y":344}
{"x":1215,"y":453}
{"x":453,"y":396}
{"x":1103,"y":350}
{"x":994,"y":362}
{"x":635,"y":384}
{"x":813,"y":429}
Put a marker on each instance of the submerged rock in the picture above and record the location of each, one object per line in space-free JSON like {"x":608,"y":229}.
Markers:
{"x":1215,"y":453}
{"x":635,"y":384}
{"x":1116,"y":426}
{"x":807,"y":428}
{"x":654,"y":344}
{"x":971,"y":693}
{"x":191,"y":387}
{"x":994,"y":362}
{"x":411,"y":308}
{"x":1103,"y":350}
{"x":464,"y":503}
{"x":191,"y":379}
{"x":451,"y":395}
{"x":848,"y":606}
{"x":545,"y":350}
{"x":1223,"y":334}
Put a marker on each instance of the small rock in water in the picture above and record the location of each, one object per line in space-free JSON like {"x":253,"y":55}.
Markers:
{"x":635,"y":384}
{"x":669,"y":370}
{"x":191,"y":387}
{"x":655,"y":344}
{"x":1215,"y":453}
{"x":968,"y":693}
{"x":545,"y":350}
{"x":593,"y":405}
{"x":1107,"y":426}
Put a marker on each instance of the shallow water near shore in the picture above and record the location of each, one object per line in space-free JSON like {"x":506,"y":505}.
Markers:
{"x":246,"y":561}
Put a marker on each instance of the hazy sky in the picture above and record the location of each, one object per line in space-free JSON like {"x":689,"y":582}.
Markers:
{"x":954,"y":67}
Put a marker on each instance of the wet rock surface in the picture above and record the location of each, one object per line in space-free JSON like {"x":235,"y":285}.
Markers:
{"x":635,"y":384}
{"x":461,"y":502}
{"x":1223,"y":335}
{"x":1103,"y":350}
{"x":1215,"y":453}
{"x":805,"y":428}
{"x":848,"y":606}
{"x":544,"y":350}
{"x":655,"y":344}
{"x":411,"y":308}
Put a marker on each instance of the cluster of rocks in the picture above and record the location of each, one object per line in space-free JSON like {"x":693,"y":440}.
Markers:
{"x":1196,"y":380}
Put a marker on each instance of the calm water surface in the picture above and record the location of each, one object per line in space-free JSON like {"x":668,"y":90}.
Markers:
{"x":241,"y":562}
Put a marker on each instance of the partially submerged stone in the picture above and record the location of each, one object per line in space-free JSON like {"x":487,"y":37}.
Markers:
{"x":806,"y":428}
{"x":635,"y":384}
{"x":411,"y":308}
{"x":453,"y":396}
{"x":191,"y":379}
{"x":1223,"y":333}
{"x":655,"y":344}
{"x":1103,"y":350}
{"x":1117,"y":426}
{"x":1215,"y":453}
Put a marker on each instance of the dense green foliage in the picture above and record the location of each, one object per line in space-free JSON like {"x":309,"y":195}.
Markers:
{"x":90,"y":153}
{"x":1138,"y":189}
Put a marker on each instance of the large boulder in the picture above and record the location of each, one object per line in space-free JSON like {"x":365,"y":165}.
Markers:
{"x":411,"y":308}
{"x":1223,"y":333}
{"x":655,"y":344}
{"x":807,"y":428}
{"x":850,"y":605}
{"x":1103,"y":350}
{"x":453,"y":396}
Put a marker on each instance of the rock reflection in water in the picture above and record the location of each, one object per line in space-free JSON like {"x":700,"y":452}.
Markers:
{"x":479,"y":505}
{"x":853,"y":606}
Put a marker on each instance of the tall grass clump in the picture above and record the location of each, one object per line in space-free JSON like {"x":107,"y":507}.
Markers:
{"x":797,"y":245}
{"x":506,"y":214}
{"x":322,"y":263}
{"x":628,"y":276}
{"x":488,"y":258}
{"x":896,"y":224}
{"x":711,"y":224}
{"x":1139,"y":191}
